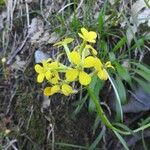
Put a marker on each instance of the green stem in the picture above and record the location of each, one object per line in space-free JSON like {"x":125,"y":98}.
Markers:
{"x":82,"y":47}
{"x":99,"y":109}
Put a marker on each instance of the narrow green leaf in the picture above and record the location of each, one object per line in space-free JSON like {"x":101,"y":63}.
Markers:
{"x":96,"y":85}
{"x":101,"y":18}
{"x":145,"y":85}
{"x":143,"y":141}
{"x":80,"y":105}
{"x":143,"y":74}
{"x":97,"y":140}
{"x":123,"y":72}
{"x":143,"y":67}
{"x":124,"y":127}
{"x":112,"y":56}
{"x":120,"y":44}
{"x":122,"y":141}
{"x":121,"y":90}
{"x":119,"y":116}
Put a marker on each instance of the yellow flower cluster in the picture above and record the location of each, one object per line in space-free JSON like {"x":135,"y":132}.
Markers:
{"x":83,"y":64}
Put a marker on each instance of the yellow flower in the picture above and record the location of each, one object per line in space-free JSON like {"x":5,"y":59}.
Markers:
{"x":78,"y":70}
{"x":48,"y":91}
{"x":64,"y":42}
{"x":93,"y":51}
{"x":100,"y":68}
{"x":47,"y":70}
{"x":88,"y":36}
{"x":54,"y":77}
{"x":64,"y":88}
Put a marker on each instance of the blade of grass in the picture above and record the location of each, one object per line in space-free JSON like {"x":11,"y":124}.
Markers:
{"x":122,"y":141}
{"x":121,"y":90}
{"x":124,"y":127}
{"x":97,"y":140}
{"x":143,"y":141}
{"x":123,"y":72}
{"x":118,"y":99}
{"x":120,"y":44}
{"x":80,"y":105}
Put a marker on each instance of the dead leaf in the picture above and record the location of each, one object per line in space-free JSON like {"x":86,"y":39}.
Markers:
{"x":137,"y":6}
{"x":54,"y":37}
{"x":18,"y":64}
{"x":36,"y":29}
{"x":143,"y":17}
{"x":46,"y":102}
{"x":44,"y":39}
{"x":111,"y":2}
{"x":2,"y":17}
{"x":130,"y":33}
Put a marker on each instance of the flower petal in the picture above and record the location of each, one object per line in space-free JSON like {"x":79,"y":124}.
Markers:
{"x":75,"y":57}
{"x":68,"y":40}
{"x":98,"y":64}
{"x":92,"y":35}
{"x":60,"y":43}
{"x":84,"y":31}
{"x":66,"y":89}
{"x":53,"y":65}
{"x":63,"y":42}
{"x":84,"y":78}
{"x":40,"y":78}
{"x":91,"y":48}
{"x":55,"y":78}
{"x":91,"y":41}
{"x":81,"y":35}
{"x":47,"y":91}
{"x":102,"y":74}
{"x":38,"y":68}
{"x":55,"y":89}
{"x":48,"y":75}
{"x":108,"y":65}
{"x":71,"y":74}
{"x":88,"y":62}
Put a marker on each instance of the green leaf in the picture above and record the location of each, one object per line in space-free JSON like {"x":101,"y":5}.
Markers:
{"x":119,"y":115}
{"x":143,"y":141}
{"x":124,"y":127}
{"x":143,"y":67}
{"x":143,"y":74}
{"x":123,"y":72}
{"x":75,"y":24}
{"x":112,"y":56}
{"x":121,"y":90}
{"x":120,"y":44}
{"x":101,"y":18}
{"x":80,"y":104}
{"x":96,"y":85}
{"x":140,"y":42}
{"x":122,"y":141}
{"x":97,"y":140}
{"x":145,"y":85}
